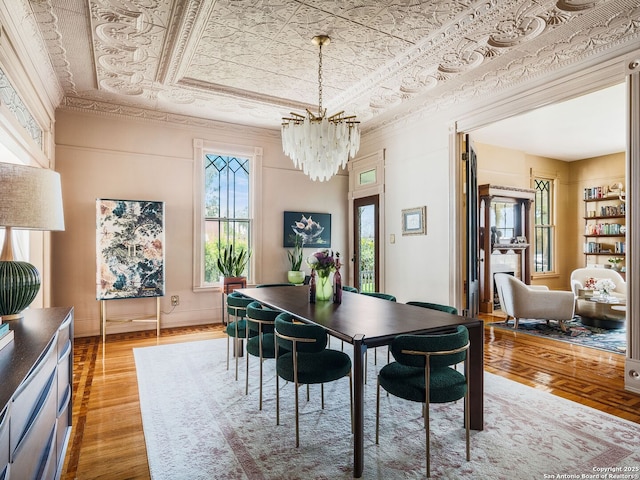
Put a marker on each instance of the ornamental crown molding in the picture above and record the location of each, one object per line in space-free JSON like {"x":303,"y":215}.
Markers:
{"x":252,"y":63}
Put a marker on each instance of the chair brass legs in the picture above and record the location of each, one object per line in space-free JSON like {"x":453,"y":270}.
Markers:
{"x":425,"y":414}
{"x":378,"y":413}
{"x":467,"y":423}
{"x":297,"y":411}
{"x":427,"y":439}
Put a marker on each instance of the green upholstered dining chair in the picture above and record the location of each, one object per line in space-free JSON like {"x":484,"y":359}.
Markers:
{"x":422,"y":373}
{"x":236,"y":329}
{"x":434,"y":306}
{"x":306,"y":360}
{"x":384,"y":296}
{"x":261,"y":343}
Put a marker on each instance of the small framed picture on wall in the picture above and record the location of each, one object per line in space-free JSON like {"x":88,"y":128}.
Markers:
{"x":414,"y":221}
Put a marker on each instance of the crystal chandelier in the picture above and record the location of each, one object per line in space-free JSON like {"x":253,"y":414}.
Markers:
{"x":317,"y":144}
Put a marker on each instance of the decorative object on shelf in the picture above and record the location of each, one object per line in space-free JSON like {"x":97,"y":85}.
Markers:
{"x":314,"y":229}
{"x":414,"y":221}
{"x":323,"y":263}
{"x":615,"y":262}
{"x":295,"y":275}
{"x":317,"y":144}
{"x":30,"y":199}
{"x":617,"y":190}
{"x":605,"y":286}
{"x":232,"y":264}
{"x":129,"y":249}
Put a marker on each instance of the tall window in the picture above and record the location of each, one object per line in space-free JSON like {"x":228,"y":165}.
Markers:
{"x":544,"y":227}
{"x":226,"y":209}
{"x":224,"y":179}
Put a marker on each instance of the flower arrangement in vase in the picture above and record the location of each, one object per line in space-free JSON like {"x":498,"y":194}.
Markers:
{"x":605,"y":286}
{"x":323,"y":263}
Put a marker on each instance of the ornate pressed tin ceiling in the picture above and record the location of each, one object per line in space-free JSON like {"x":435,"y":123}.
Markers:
{"x":252,"y":61}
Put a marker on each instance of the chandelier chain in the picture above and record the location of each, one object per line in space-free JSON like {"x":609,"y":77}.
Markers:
{"x":320,"y":81}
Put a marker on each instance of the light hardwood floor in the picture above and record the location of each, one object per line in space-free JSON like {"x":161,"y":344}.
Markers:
{"x":107,"y":438}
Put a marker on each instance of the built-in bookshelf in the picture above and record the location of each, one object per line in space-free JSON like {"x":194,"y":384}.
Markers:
{"x":604,"y":224}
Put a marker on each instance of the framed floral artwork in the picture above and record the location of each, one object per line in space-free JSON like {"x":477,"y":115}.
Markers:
{"x":129,"y":249}
{"x":314,"y":229}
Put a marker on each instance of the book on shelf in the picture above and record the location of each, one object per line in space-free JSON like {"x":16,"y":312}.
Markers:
{"x":4,"y":328}
{"x":6,"y":339}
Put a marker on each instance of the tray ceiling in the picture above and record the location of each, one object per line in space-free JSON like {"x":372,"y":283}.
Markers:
{"x":252,"y":62}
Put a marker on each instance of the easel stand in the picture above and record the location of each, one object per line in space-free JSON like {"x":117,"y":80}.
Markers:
{"x":146,"y":319}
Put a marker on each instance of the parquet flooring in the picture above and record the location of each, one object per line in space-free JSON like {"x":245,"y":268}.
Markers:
{"x":107,"y":438}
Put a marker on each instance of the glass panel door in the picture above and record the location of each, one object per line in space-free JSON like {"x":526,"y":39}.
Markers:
{"x":366,"y":247}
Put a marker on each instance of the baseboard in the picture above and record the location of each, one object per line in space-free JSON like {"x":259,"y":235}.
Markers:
{"x":632,"y":375}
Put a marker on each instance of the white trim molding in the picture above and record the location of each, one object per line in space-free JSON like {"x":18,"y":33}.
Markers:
{"x":374,"y":162}
{"x":254,"y":154}
{"x":632,"y":364}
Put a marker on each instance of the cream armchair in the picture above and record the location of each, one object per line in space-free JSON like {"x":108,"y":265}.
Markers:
{"x":580,"y":276}
{"x":519,"y":300}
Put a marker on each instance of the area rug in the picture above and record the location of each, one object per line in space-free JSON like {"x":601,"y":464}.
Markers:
{"x":199,"y":424}
{"x":614,"y":340}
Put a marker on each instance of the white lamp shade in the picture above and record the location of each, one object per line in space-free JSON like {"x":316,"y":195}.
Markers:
{"x":30,"y":198}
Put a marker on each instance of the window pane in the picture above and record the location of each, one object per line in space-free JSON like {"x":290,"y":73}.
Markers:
{"x":219,"y":234}
{"x":226,"y":209}
{"x":368,"y":177}
{"x":367,"y":253}
{"x":226,"y":187}
{"x":543,"y":258}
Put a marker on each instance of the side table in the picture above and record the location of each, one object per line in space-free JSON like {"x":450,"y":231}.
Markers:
{"x":601,"y":313}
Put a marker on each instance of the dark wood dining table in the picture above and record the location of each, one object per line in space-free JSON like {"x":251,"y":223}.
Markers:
{"x":367,"y":322}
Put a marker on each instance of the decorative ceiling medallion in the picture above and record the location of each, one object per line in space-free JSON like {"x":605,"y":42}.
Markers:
{"x":384,"y":101}
{"x":176,"y":96}
{"x":515,"y":31}
{"x":457,"y":62}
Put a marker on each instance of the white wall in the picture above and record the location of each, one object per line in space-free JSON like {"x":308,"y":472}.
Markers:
{"x":101,"y":156}
{"x":416,"y":174}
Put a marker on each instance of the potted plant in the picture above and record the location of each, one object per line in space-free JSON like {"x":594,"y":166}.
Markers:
{"x":232,"y":264}
{"x":295,"y":275}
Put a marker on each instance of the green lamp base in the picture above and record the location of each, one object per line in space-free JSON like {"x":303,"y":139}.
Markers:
{"x":19,"y":285}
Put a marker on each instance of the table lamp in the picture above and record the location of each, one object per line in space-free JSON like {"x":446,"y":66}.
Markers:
{"x":30,"y":199}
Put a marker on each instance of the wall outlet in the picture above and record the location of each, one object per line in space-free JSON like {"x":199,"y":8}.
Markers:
{"x":175,"y":300}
